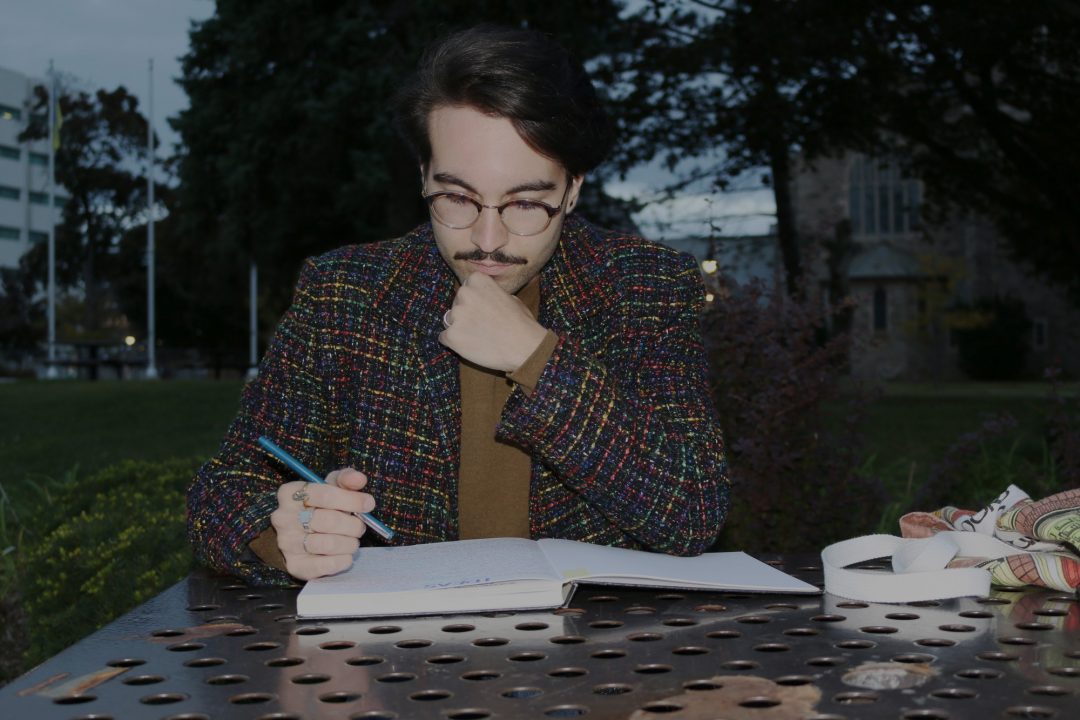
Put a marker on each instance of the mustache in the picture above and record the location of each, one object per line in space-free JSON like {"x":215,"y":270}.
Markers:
{"x":498,"y":256}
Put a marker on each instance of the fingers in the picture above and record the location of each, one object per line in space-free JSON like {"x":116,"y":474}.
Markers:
{"x":308,"y":567}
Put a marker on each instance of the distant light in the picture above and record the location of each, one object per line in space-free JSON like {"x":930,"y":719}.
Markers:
{"x":7,"y":116}
{"x":709,"y":297}
{"x":709,"y":266}
{"x":129,"y":340}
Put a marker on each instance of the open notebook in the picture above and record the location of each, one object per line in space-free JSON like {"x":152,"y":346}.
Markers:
{"x":518,"y":574}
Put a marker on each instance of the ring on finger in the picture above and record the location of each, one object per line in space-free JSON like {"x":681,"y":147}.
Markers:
{"x":304,"y":544}
{"x":446,"y":319}
{"x":301,"y":495}
{"x":305,"y":517}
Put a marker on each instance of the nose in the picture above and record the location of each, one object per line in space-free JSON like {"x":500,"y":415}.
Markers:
{"x":489,"y":234}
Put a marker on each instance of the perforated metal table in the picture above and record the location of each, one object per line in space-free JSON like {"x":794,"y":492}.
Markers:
{"x":212,"y":648}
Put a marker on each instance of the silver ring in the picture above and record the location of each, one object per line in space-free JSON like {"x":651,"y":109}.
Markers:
{"x":446,"y":319}
{"x":304,"y":545}
{"x":305,"y":519}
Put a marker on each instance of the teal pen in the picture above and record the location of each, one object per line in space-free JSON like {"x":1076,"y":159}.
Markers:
{"x":303,"y":471}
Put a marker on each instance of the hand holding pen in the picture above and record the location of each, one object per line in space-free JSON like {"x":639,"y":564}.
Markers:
{"x":319,"y":522}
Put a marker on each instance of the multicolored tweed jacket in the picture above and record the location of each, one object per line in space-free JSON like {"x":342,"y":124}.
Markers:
{"x":625,"y":443}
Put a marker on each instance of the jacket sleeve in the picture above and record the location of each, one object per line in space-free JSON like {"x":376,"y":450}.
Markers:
{"x":232,"y":495}
{"x":636,"y":433}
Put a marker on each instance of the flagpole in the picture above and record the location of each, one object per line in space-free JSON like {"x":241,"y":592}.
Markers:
{"x":253,"y":332}
{"x":51,"y":371}
{"x":151,"y":329}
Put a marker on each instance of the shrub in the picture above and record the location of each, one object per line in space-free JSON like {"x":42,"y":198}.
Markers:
{"x":797,"y":485}
{"x":993,"y":344}
{"x":115,"y":540}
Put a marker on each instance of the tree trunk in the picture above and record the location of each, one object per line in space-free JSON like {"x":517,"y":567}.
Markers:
{"x":787,"y":235}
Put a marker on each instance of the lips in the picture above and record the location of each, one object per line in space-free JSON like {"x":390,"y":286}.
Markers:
{"x":488,"y":268}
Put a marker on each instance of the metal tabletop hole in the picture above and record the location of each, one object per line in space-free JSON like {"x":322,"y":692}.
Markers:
{"x":723,"y":634}
{"x":1050,"y":690}
{"x":740,"y":665}
{"x":670,"y":596}
{"x":312,"y":630}
{"x":309,"y":679}
{"x":126,"y":662}
{"x":166,"y":633}
{"x":1074,"y":654}
{"x":801,"y":632}
{"x":826,"y":661}
{"x":241,"y":632}
{"x":855,"y":644}
{"x":203,"y":608}
{"x":914,"y":658}
{"x":707,"y":608}
{"x":412,"y":644}
{"x":1051,"y":612}
{"x":568,"y":672}
{"x":396,"y":677}
{"x":926,"y":714}
{"x":384,"y":630}
{"x":690,"y":650}
{"x":644,"y":637}
{"x":976,"y":614}
{"x":701,"y":685}
{"x":759,"y":702}
{"x":469,"y":714}
{"x":925,"y":603}
{"x":992,"y":601}
{"x":640,"y":610}
{"x":278,"y":716}
{"x":1016,"y":640}
{"x":902,"y":616}
{"x":1030,"y":711}
{"x":1064,"y":671}
{"x":980,"y":674}
{"x":879,"y":629}
{"x":337,"y":645}
{"x":262,"y":646}
{"x":772,"y":647}
{"x":954,"y":693}
{"x":143,"y":680}
{"x":490,"y":642}
{"x":374,"y":715}
{"x":613,"y":689}
{"x":603,"y":624}
{"x":567,"y":639}
{"x":74,"y":699}
{"x":458,"y":628}
{"x":284,"y":662}
{"x":269,"y":607}
{"x":569,"y":611}
{"x":163,"y":699}
{"x":754,"y":619}
{"x":662,"y":707}
{"x":653,"y":669}
{"x":521,"y":693}
{"x":288,"y":617}
{"x":794,"y":680}
{"x":186,"y":647}
{"x":1034,"y":626}
{"x":603,"y":598}
{"x":182,"y":716}
{"x":735,"y":596}
{"x":445,"y":659}
{"x":781,"y":606}
{"x":430,"y":695}
{"x":828,"y":618}
{"x":526,"y":656}
{"x":852,"y":605}
{"x":232,"y":679}
{"x":234,"y":588}
{"x":481,"y":675}
{"x":530,"y":626}
{"x":935,"y":642}
{"x":205,"y":662}
{"x":855,"y":698}
{"x":997,"y":656}
{"x":566,"y":711}
{"x":680,"y":622}
{"x":251,"y":698}
{"x":608,"y":654}
{"x":1063,"y":598}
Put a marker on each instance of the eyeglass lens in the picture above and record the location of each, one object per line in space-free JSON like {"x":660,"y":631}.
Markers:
{"x":520,"y":217}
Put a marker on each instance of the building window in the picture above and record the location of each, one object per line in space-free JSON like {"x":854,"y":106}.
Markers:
{"x":39,"y":159}
{"x":11,"y":193}
{"x":1039,"y":328}
{"x":60,"y":201}
{"x":39,"y":198}
{"x":36,"y":236}
{"x":881,"y":310}
{"x":9,"y":233}
{"x":11,"y":153}
{"x":881,"y":200}
{"x":7,"y":112}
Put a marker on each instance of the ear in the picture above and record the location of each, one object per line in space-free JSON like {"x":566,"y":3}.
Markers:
{"x":575,"y":190}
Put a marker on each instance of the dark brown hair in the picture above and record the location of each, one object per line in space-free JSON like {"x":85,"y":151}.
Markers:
{"x":521,"y":75}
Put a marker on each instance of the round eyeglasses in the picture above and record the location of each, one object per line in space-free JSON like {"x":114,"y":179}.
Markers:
{"x":520,"y":217}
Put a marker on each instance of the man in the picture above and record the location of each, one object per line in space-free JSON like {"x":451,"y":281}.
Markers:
{"x":506,"y":369}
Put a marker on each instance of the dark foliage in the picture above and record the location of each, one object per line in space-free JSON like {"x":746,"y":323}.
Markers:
{"x":797,"y":484}
{"x":994,"y":346}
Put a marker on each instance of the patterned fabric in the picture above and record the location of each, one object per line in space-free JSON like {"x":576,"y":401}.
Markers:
{"x":625,"y":443}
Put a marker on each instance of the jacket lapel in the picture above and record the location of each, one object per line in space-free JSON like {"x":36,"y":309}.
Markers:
{"x":575,"y":285}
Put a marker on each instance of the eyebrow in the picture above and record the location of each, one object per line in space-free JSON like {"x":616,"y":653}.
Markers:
{"x":531,"y":186}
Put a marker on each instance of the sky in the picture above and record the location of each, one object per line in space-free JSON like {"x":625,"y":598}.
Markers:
{"x":107,"y":43}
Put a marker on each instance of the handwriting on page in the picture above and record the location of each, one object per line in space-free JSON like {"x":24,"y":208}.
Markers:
{"x":458,"y":583}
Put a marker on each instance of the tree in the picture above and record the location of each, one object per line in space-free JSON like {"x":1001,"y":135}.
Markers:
{"x":289,"y":149}
{"x":102,"y":146}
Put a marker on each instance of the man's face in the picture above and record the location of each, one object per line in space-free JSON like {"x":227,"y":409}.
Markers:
{"x":484,"y":158}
